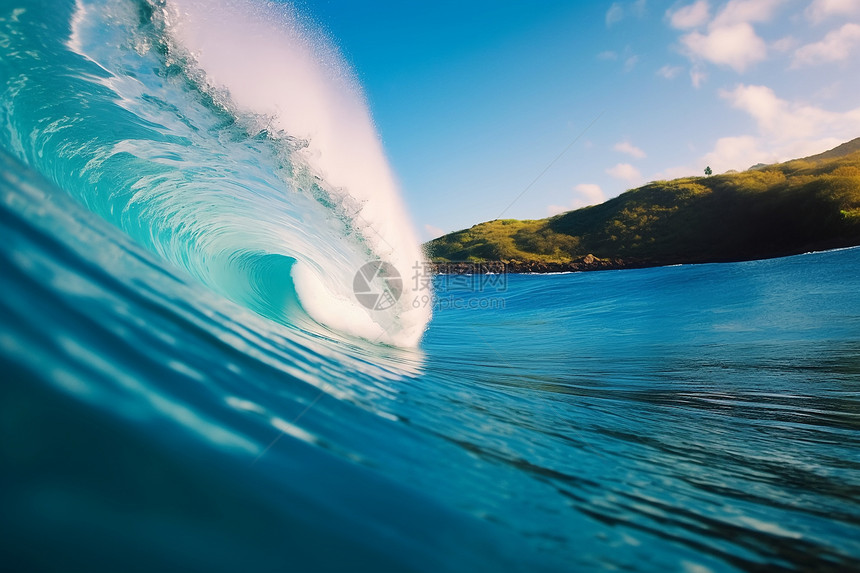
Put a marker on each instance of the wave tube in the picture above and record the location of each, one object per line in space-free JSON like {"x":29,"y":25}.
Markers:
{"x":231,"y":203}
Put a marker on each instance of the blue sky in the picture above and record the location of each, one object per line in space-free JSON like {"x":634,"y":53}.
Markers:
{"x":474,"y":100}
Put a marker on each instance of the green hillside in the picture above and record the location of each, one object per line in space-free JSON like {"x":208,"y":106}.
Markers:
{"x":774,"y":210}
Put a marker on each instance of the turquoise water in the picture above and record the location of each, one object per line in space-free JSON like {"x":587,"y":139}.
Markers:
{"x":169,"y":402}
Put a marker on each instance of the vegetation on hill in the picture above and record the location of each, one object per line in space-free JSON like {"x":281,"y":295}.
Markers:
{"x":774,"y":210}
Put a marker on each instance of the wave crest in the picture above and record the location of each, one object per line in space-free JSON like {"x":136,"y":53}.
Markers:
{"x":257,"y":142}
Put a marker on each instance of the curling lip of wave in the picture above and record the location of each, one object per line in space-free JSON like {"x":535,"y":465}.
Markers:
{"x":274,"y":66}
{"x":265,"y":66}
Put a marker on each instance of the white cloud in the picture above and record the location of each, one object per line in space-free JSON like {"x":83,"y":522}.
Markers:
{"x":829,"y":91}
{"x":625,"y":172}
{"x":630,"y":59}
{"x":737,"y":153}
{"x":746,"y":12}
{"x":730,"y":39}
{"x":785,"y":44}
{"x":742,"y":152}
{"x":590,"y":192}
{"x":432,"y":232}
{"x":836,"y":46}
{"x":614,"y":14}
{"x":821,"y":9}
{"x":761,"y":103}
{"x":585,"y":194}
{"x":630,"y":63}
{"x":697,"y":76}
{"x":691,"y":16}
{"x":676,"y":172}
{"x":785,"y":121}
{"x":617,"y":11}
{"x":783,"y":130}
{"x":669,"y":72}
{"x":629,"y":149}
{"x":736,"y":46}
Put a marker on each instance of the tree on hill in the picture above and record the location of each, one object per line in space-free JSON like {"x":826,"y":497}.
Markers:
{"x":708,"y":171}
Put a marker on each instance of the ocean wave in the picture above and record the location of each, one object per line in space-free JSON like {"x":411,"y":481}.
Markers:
{"x":230,"y":139}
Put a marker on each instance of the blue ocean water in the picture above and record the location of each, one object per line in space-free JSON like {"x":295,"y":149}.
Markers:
{"x":171,"y":400}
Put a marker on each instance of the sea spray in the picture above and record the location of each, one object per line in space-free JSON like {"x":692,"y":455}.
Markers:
{"x":277,"y":68}
{"x":240,"y":148}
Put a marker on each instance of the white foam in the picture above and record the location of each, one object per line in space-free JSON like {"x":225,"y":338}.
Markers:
{"x":275,"y":67}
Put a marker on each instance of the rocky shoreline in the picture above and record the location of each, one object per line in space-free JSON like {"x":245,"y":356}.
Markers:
{"x":586,"y":263}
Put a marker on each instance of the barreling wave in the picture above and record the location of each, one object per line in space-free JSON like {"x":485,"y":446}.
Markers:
{"x":228,"y":137}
